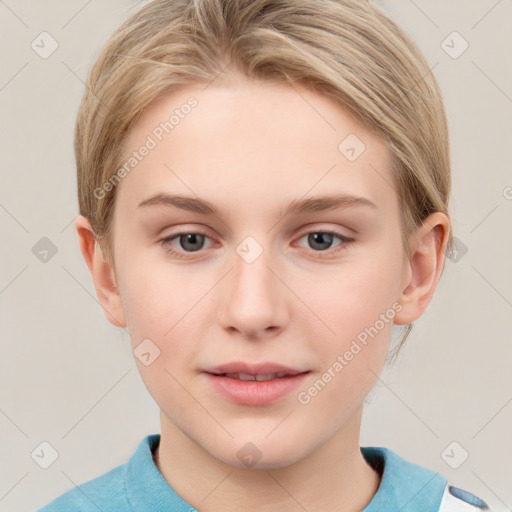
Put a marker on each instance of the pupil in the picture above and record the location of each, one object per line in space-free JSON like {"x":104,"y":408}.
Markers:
{"x":316,"y":238}
{"x":191,"y":237}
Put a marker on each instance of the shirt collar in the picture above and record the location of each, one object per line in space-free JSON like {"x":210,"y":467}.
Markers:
{"x":404,"y":486}
{"x":146,"y":487}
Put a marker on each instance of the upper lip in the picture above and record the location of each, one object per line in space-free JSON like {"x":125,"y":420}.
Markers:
{"x":253,"y":369}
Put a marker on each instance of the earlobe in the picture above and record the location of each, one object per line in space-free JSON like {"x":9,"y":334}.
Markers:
{"x":102,"y":272}
{"x":424,"y":267}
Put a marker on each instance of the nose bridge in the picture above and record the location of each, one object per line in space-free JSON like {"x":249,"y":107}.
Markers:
{"x":251,"y":262}
{"x":251,"y":302}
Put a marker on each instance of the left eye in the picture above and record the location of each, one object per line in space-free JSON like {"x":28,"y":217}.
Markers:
{"x":322,"y":240}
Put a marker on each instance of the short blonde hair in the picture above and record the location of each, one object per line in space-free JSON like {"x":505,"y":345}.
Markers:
{"x":347,"y":50}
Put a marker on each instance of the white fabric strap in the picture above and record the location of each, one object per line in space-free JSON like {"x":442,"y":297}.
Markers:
{"x":458,"y":500}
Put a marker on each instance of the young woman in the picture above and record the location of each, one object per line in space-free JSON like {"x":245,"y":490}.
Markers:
{"x":263,"y":189}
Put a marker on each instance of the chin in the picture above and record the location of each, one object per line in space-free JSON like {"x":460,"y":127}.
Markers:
{"x":258,"y":454}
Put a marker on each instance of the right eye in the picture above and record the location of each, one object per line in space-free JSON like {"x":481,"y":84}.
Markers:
{"x":190,"y":242}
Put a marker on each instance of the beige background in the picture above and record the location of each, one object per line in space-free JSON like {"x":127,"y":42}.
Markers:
{"x":68,"y":377}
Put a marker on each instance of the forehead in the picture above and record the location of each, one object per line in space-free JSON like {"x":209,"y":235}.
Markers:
{"x":250,"y":141}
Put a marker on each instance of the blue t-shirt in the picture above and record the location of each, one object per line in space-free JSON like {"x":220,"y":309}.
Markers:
{"x":139,"y":486}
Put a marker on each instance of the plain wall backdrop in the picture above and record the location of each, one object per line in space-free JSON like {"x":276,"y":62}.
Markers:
{"x":68,"y":377}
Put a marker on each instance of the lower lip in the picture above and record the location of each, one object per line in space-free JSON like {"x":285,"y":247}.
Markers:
{"x":253,"y":392}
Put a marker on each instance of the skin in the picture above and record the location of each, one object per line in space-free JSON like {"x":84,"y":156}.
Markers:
{"x":250,"y":148}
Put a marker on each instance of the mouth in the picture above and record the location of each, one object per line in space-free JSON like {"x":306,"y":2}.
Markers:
{"x":254,"y":371}
{"x":256,"y":385}
{"x":258,"y":377}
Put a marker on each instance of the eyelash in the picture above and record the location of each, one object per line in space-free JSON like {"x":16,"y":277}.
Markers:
{"x":165,"y":242}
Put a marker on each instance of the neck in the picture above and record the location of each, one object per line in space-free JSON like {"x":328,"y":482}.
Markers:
{"x":334,"y":478}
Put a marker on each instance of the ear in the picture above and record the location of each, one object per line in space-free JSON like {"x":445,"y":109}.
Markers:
{"x":102,"y":273}
{"x":423,"y":269}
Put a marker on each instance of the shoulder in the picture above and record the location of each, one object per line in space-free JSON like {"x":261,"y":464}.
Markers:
{"x":409,"y":487}
{"x":126,"y":487}
{"x":105,"y":492}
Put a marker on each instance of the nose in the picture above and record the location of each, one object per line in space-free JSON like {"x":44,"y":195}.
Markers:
{"x":253,"y":299}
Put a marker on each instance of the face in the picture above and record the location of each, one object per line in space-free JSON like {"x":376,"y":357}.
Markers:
{"x":312,"y":289}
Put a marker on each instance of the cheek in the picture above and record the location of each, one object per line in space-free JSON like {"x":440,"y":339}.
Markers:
{"x":157,"y":297}
{"x":350,"y":297}
{"x":162,"y":315}
{"x":351,"y":357}
{"x":166,"y":306}
{"x":352,"y":322}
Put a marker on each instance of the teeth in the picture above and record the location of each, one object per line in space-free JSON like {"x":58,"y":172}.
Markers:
{"x":248,"y":376}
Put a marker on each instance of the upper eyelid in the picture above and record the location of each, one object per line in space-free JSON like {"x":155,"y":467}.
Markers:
{"x":306,"y":231}
{"x":323,"y":230}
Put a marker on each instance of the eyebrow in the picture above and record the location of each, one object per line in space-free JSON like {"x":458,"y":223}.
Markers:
{"x":311,"y":204}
